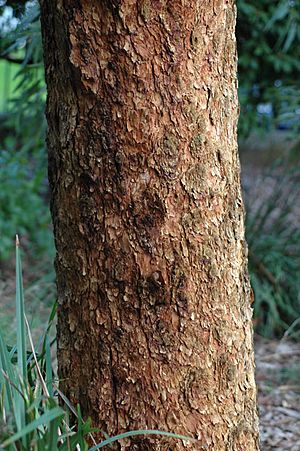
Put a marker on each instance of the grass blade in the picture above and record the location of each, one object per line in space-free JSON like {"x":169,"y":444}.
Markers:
{"x":49,"y":378}
{"x":53,"y":434}
{"x":21,"y":341}
{"x":38,"y":370}
{"x":139,"y":432}
{"x":45,"y":418}
{"x":6,"y":367}
{"x":21,"y":335}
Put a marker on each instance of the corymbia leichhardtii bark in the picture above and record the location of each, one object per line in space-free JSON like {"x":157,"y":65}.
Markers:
{"x":154,"y":319}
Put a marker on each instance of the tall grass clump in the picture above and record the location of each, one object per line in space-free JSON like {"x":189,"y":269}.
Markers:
{"x":273,"y":235}
{"x":30,"y":415}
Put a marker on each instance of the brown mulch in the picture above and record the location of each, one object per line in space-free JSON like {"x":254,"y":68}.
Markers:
{"x":278,"y":382}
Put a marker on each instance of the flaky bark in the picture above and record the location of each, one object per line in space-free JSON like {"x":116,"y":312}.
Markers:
{"x":154,"y":321}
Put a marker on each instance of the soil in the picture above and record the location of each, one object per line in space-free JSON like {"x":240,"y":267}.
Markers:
{"x":278,"y":383}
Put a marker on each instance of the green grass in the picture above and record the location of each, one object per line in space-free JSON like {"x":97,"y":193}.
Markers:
{"x":273,"y":237}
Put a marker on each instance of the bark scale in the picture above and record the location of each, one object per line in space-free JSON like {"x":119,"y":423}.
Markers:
{"x":154,"y":321}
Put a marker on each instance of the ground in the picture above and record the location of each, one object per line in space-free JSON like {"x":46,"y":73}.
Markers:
{"x":277,"y":376}
{"x":39,"y":293}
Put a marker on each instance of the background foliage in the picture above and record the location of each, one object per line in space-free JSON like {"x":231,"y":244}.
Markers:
{"x":268,"y":36}
{"x":23,"y":179}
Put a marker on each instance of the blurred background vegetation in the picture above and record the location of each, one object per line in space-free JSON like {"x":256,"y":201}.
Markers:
{"x":268,"y":35}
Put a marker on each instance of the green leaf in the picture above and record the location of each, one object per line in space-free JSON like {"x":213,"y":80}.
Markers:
{"x":49,"y":379}
{"x":279,"y":14}
{"x":140,"y":432}
{"x":21,"y":335}
{"x":21,"y":341}
{"x":290,"y":36}
{"x":6,"y":366}
{"x":45,"y":418}
{"x":51,"y":437}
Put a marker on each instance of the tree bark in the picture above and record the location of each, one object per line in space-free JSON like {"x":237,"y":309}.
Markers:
{"x":154,"y":319}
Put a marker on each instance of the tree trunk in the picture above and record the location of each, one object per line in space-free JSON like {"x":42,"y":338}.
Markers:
{"x":154,"y":320}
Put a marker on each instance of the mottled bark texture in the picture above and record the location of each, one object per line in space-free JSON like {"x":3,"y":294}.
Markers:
{"x":154,"y":320}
